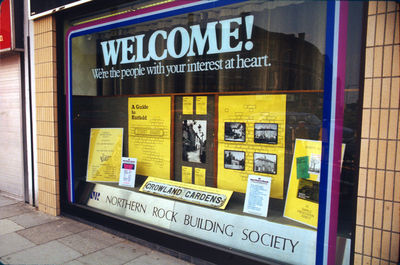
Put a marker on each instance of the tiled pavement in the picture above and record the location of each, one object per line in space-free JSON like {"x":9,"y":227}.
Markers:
{"x":28,"y":236}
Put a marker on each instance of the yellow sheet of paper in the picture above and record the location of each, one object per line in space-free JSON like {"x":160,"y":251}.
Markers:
{"x":187,"y":106}
{"x":150,"y":135}
{"x":249,"y":110}
{"x":302,"y":198}
{"x":105,"y":152}
{"x":201,"y":105}
{"x":200,"y":176}
{"x":186,"y":174}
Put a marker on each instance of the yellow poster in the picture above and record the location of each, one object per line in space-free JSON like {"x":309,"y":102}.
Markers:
{"x":187,"y":174}
{"x":201,"y":105}
{"x":251,"y":140}
{"x":200,"y":176}
{"x":303,"y":192}
{"x":150,"y":135}
{"x":105,"y":152}
{"x":187,"y":106}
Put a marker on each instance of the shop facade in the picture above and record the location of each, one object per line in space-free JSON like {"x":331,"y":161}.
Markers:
{"x":231,"y":131}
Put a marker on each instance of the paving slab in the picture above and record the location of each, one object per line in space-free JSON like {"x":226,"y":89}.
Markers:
{"x":28,"y":236}
{"x":14,"y":209}
{"x":12,"y":242}
{"x":74,"y":262}
{"x":53,"y":230}
{"x":115,"y":255}
{"x":34,"y":218}
{"x":7,"y":201}
{"x":8,"y":226}
{"x":90,"y":241}
{"x":156,"y":258}
{"x":52,"y":252}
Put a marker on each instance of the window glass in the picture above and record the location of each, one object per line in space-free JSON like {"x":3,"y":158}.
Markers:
{"x":219,"y":109}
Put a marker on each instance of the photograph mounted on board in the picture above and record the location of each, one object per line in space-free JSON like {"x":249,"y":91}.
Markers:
{"x":194,"y":139}
{"x":265,"y":163}
{"x":315,"y":164}
{"x":234,"y":160}
{"x":308,"y":190}
{"x":266,"y":133}
{"x":235,"y":131}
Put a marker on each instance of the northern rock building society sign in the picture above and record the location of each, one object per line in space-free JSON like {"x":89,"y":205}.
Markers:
{"x":254,"y":235}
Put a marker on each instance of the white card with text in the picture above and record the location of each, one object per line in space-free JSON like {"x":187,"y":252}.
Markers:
{"x":257,"y":195}
{"x":127,"y":174}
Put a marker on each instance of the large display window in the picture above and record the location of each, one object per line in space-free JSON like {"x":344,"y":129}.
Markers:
{"x":218,"y":121}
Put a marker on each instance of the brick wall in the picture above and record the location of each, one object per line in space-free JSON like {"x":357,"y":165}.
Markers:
{"x":378,"y":203}
{"x":46,"y":115}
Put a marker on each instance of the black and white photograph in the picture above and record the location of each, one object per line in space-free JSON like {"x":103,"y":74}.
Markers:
{"x":234,"y":160}
{"x":265,"y":163}
{"x":308,"y":190}
{"x":266,"y":133}
{"x":194,"y":138}
{"x":314,"y":166}
{"x":235,"y":131}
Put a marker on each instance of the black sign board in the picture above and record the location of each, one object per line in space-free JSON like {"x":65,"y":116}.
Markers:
{"x":39,"y":6}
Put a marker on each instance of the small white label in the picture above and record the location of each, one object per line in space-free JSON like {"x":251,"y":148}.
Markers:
{"x":128,"y":172}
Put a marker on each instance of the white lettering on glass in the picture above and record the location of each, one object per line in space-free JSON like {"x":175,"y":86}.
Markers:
{"x":192,"y":42}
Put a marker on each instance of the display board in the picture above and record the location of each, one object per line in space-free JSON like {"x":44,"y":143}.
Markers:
{"x":150,"y":135}
{"x":194,"y":138}
{"x":105,"y":152}
{"x":302,"y":200}
{"x":251,"y":140}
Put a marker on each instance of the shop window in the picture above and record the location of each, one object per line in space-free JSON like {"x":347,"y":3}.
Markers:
{"x":217,"y":110}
